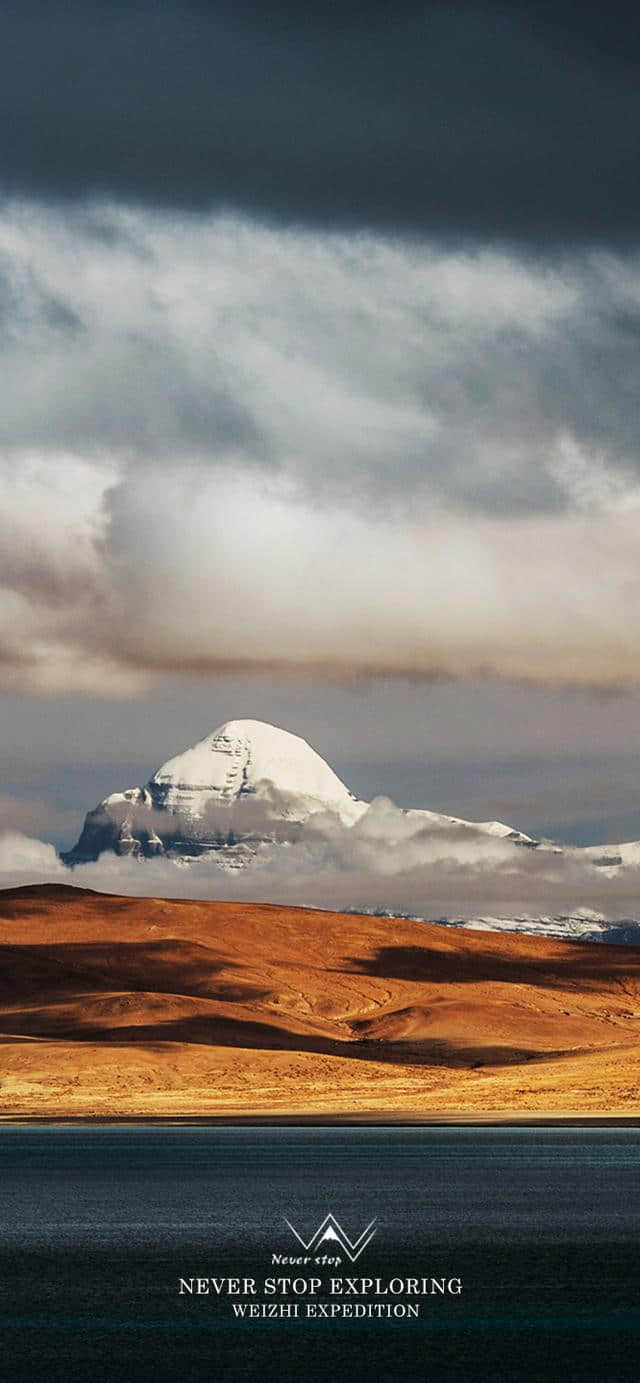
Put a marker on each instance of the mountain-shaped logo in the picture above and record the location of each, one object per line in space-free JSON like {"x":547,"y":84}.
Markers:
{"x":330,"y":1229}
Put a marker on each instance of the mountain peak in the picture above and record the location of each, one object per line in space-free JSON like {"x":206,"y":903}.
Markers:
{"x":248,"y":757}
{"x":189,"y":805}
{"x":245,"y":785}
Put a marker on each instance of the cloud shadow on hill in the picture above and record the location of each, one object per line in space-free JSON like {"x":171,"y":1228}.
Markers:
{"x":580,"y":963}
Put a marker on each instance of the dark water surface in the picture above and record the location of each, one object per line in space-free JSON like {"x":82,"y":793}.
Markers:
{"x":98,"y":1224}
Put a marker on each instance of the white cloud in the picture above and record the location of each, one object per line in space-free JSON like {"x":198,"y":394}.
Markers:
{"x":206,"y":572}
{"x":227,"y":446}
{"x":391,"y":860}
{"x":24,"y":860}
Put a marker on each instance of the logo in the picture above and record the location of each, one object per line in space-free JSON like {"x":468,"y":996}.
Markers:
{"x":330,"y":1229}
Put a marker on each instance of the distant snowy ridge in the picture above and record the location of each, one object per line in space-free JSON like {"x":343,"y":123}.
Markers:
{"x":583,"y":925}
{"x":579,"y":927}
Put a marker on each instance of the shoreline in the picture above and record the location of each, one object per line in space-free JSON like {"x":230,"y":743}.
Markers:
{"x":323,"y":1121}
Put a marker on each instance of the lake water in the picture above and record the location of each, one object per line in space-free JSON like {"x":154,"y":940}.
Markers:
{"x":99,"y":1224}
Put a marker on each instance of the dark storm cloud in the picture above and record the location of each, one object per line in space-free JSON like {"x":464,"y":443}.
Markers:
{"x":519,"y":120}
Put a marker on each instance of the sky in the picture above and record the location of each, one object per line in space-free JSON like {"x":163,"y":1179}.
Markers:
{"x":319,"y":381}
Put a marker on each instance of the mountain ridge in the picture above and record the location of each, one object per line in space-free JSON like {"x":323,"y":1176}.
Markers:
{"x":253,"y":801}
{"x":245,"y":783}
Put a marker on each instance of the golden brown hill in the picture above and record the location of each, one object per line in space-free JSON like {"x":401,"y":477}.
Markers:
{"x":147,"y":1007}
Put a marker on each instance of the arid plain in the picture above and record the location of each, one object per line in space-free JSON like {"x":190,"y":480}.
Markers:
{"x":122,"y":1007}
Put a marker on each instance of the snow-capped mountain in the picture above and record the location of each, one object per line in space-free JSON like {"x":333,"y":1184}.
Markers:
{"x":254,"y":798}
{"x":247,"y":758}
{"x":245,"y":784}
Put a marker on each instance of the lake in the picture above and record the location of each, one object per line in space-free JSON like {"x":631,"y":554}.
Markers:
{"x":127,"y":1252}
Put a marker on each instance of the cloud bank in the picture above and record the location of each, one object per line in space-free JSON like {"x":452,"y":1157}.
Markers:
{"x":390,"y":860}
{"x":226,"y":448}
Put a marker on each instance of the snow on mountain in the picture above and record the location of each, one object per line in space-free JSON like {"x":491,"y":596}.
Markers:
{"x":610,"y":858}
{"x":581,"y":926}
{"x":251,"y":795}
{"x":489,"y":828}
{"x":245,"y":784}
{"x":249,"y":758}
